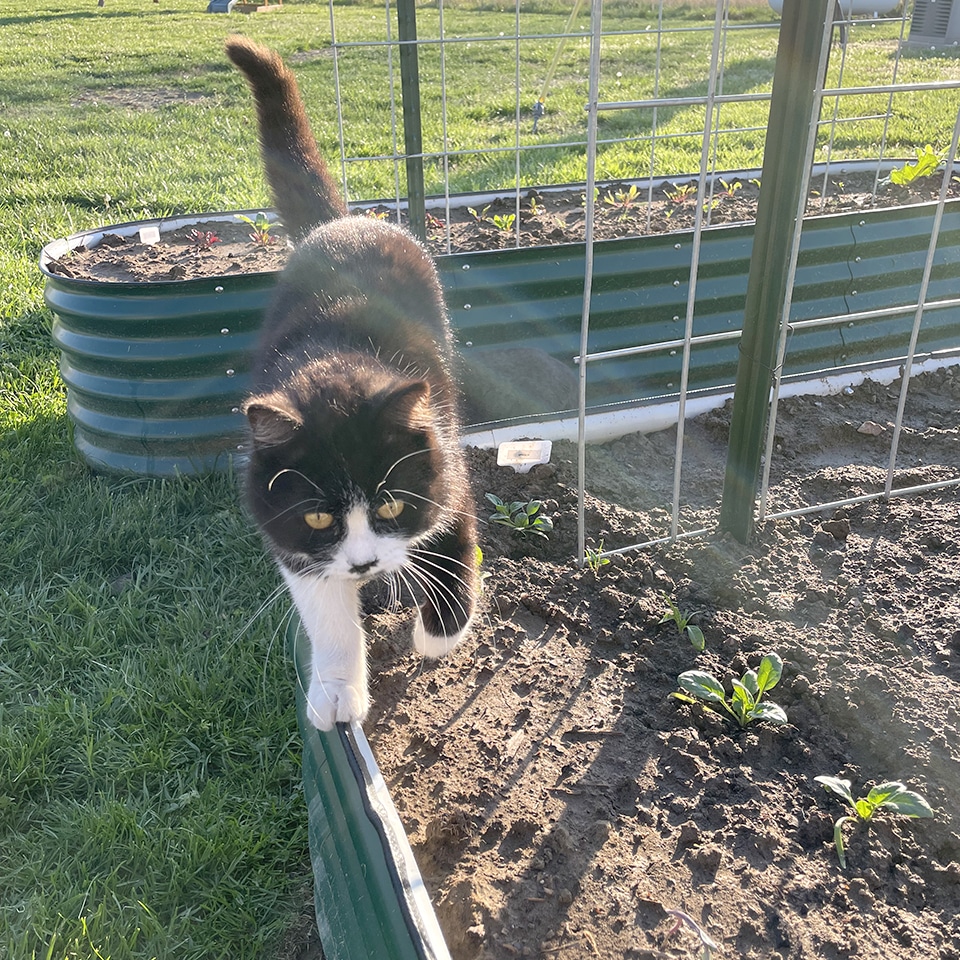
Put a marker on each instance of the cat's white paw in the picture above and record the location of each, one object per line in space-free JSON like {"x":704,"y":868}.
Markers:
{"x":433,"y":646}
{"x":335,"y":701}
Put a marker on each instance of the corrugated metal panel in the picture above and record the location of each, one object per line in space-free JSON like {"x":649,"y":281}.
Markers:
{"x":848,"y":264}
{"x":155,"y":372}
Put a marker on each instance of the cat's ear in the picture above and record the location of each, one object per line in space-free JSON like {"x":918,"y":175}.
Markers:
{"x":271,"y":423}
{"x":409,"y":406}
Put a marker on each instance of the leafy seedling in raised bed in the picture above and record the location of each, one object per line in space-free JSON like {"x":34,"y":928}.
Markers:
{"x":680,"y":194}
{"x":927,"y":163}
{"x":892,"y":795}
{"x":522,"y":516}
{"x":202,"y":239}
{"x":623,"y":201}
{"x":261,"y":227}
{"x":481,"y":216}
{"x":594,"y":559}
{"x":746,"y":703}
{"x":683,"y":624}
{"x":503,"y":221}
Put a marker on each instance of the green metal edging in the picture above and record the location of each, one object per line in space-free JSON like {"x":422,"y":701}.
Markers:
{"x":370,"y":900}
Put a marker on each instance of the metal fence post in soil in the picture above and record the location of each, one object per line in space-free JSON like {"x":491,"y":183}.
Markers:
{"x":412,"y":130}
{"x":805,"y":32}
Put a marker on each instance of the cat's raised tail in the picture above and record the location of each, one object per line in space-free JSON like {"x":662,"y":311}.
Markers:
{"x":304,"y":190}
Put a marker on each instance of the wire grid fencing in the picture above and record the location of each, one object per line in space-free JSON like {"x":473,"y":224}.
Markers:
{"x":603,"y":94}
{"x":831,"y":113}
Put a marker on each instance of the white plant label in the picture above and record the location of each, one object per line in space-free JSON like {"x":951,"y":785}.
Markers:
{"x":523,"y":454}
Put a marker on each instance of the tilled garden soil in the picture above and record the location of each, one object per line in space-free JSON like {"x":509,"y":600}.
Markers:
{"x":545,"y":218}
{"x":562,"y":805}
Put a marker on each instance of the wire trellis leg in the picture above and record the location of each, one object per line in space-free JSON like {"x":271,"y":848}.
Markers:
{"x":339,"y":100}
{"x":712,"y":91}
{"x":445,"y":133}
{"x":596,"y":25}
{"x":653,"y":119}
{"x":394,"y":142}
{"x":893,"y":83}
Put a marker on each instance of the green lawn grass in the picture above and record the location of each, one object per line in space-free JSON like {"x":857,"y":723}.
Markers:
{"x":150,"y":803}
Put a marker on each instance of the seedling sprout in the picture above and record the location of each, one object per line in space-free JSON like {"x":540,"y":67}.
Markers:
{"x":892,"y":795}
{"x":746,"y":703}
{"x":522,"y":516}
{"x":684,"y":626}
{"x":260,"y":234}
{"x":593,"y":558}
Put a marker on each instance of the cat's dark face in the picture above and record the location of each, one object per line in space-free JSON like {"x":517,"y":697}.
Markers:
{"x":343,"y":485}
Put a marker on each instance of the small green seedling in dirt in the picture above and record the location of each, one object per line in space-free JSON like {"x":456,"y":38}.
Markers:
{"x":680,"y":194}
{"x":623,"y":201}
{"x":202,"y":239}
{"x":522,"y":516}
{"x":927,"y":163}
{"x":729,"y":188}
{"x":746,"y":703}
{"x":596,"y":197}
{"x":260,"y":234}
{"x":503,"y":222}
{"x":683,"y":624}
{"x":594,"y":560}
{"x":891,"y":796}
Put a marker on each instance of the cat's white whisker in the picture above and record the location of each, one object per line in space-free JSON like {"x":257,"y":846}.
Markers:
{"x":410,"y":495}
{"x":299,"y":505}
{"x":434,"y":592}
{"x":433,"y":553}
{"x":440,"y":591}
{"x":280,"y":473}
{"x":396,"y":463}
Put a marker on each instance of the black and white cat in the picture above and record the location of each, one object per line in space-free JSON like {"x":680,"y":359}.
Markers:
{"x":355,"y":470}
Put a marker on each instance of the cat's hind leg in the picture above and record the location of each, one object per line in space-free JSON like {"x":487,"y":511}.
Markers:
{"x":446,"y":572}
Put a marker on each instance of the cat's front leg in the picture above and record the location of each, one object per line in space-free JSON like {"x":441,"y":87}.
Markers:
{"x":330,"y":612}
{"x":447,"y":571}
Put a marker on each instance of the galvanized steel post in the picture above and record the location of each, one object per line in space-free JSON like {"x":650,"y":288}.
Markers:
{"x":412,"y":130}
{"x":805,"y":30}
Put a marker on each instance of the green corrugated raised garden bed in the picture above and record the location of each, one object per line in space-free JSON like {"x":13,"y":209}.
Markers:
{"x":155,"y":370}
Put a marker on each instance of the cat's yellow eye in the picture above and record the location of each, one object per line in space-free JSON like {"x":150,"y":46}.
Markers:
{"x":390,"y":510}
{"x":318,"y":520}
